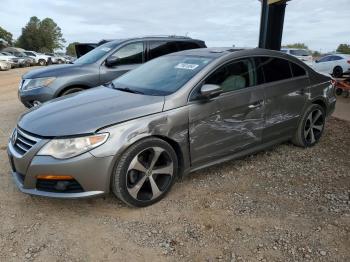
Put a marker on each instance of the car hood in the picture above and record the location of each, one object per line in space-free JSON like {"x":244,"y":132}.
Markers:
{"x":88,"y":111}
{"x":53,"y":70}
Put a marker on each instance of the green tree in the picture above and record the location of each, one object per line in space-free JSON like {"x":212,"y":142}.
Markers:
{"x":297,"y":45}
{"x":70,"y":49}
{"x":7,"y":36}
{"x":41,"y":36}
{"x":344,"y":49}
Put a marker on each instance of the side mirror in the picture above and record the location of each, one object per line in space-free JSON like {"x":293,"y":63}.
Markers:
{"x":111,"y":61}
{"x":210,"y":91}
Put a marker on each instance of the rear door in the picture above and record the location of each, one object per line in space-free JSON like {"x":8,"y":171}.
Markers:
{"x":231,"y":122}
{"x":129,"y":57}
{"x":285,"y":88}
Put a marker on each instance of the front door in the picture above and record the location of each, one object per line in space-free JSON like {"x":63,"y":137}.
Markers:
{"x":230,"y":122}
{"x":129,"y":57}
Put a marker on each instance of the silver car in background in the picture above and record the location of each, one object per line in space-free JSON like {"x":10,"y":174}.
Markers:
{"x":173,"y":115}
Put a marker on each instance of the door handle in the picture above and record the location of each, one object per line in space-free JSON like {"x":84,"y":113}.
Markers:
{"x":256,"y":105}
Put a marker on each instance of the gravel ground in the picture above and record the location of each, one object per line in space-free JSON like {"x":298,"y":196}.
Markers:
{"x":284,"y":204}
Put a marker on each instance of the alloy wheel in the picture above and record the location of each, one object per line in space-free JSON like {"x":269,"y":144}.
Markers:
{"x":313,"y":126}
{"x":150,"y":173}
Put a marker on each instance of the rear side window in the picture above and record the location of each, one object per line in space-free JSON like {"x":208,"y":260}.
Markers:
{"x":275,"y":69}
{"x":297,"y":70}
{"x":186,"y":45}
{"x":159,"y":48}
{"x":335,"y":58}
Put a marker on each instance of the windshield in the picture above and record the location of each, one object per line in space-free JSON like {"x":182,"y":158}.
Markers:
{"x":95,"y":54}
{"x":300,"y":52}
{"x":162,"y":76}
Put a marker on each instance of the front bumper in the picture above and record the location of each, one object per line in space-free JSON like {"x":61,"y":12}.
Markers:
{"x":91,"y":173}
{"x":39,"y":94}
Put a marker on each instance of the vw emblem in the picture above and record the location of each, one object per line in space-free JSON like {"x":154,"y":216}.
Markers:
{"x":14,"y":136}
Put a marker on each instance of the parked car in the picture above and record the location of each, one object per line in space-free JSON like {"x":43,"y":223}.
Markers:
{"x":171,"y":116}
{"x":70,"y":59}
{"x":10,"y":59}
{"x":99,"y":66}
{"x":23,"y":60}
{"x":56,"y":59}
{"x":4,"y":65}
{"x":334,"y":64}
{"x":302,"y":54}
{"x":40,"y":59}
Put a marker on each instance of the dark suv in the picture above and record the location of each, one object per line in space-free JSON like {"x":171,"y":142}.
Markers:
{"x":99,"y":66}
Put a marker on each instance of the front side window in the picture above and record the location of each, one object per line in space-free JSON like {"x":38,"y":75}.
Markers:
{"x":162,"y":76}
{"x":275,"y":69}
{"x":324,"y":59}
{"x":160,"y":48}
{"x":130,"y":54}
{"x":234,"y":76}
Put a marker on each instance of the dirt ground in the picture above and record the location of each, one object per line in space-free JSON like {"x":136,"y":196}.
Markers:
{"x":285,"y":204}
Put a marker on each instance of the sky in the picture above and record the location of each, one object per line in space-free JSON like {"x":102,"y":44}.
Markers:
{"x":320,"y":24}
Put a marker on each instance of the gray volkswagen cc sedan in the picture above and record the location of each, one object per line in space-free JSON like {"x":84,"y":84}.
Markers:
{"x":173,"y":115}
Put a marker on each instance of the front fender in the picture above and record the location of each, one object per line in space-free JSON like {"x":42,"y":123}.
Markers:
{"x":172,"y":124}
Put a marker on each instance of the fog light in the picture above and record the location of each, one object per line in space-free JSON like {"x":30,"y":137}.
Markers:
{"x":62,"y":185}
{"x":51,"y":177}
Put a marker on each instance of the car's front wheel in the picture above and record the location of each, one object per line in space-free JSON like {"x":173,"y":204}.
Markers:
{"x":145,"y":172}
{"x":311,"y":126}
{"x":42,"y":62}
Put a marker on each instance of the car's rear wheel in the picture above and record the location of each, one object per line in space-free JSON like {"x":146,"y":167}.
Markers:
{"x":337,"y":71}
{"x":310,"y":127}
{"x":145,"y":172}
{"x":71,"y":91}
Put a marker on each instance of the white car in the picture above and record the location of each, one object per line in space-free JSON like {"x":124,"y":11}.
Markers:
{"x":334,"y":64}
{"x":302,"y":54}
{"x":10,"y":59}
{"x":40,"y":59}
{"x":56,"y":59}
{"x":4,"y":65}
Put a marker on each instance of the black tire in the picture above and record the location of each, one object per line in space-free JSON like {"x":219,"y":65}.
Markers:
{"x":337,"y":71}
{"x":306,"y":134}
{"x":42,"y":62}
{"x":125,"y":177}
{"x":338,"y":91}
{"x":71,"y":91}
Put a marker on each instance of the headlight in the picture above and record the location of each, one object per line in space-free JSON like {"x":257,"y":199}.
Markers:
{"x":71,"y":147}
{"x":30,"y":84}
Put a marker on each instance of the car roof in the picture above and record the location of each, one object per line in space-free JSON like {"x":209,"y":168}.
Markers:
{"x":145,"y":38}
{"x":231,"y":51}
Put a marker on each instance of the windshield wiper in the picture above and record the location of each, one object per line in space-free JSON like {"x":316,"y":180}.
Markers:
{"x":124,"y":89}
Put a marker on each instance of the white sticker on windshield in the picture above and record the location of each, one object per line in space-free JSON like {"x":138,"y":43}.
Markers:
{"x":105,"y":49}
{"x":186,"y":66}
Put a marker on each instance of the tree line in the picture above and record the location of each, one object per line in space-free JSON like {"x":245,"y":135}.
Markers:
{"x":45,"y":36}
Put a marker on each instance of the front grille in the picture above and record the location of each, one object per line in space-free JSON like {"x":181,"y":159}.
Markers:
{"x":59,"y":186}
{"x":22,"y":141}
